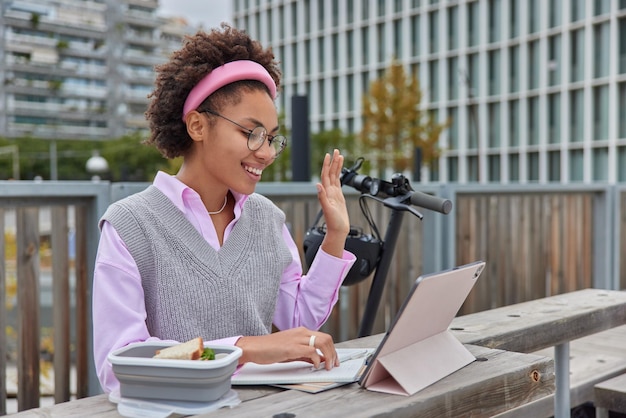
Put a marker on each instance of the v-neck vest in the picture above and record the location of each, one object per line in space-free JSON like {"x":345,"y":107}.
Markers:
{"x":192,"y":290}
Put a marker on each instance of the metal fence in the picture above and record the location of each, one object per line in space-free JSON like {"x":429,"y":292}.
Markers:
{"x":538,"y":240}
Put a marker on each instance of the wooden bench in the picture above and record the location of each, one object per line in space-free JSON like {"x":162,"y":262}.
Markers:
{"x":610,"y":395}
{"x":593,"y":359}
{"x":583,"y":331}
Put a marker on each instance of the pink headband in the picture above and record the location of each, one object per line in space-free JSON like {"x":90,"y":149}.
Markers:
{"x":226,"y":74}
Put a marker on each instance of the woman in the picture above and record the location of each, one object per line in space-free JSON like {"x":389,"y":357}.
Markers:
{"x":201,"y":254}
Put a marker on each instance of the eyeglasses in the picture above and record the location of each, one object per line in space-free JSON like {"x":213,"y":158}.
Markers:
{"x":257,"y":136}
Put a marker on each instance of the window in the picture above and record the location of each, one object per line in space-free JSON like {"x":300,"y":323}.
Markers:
{"x":320,"y":54}
{"x":514,"y":123}
{"x":601,"y":7}
{"x":600,"y":164}
{"x":335,"y":51}
{"x":622,"y":45}
{"x":533,"y":166}
{"x":336,"y":94}
{"x":335,"y":7}
{"x":513,"y":18}
{"x":494,"y":125}
{"x":554,"y":60}
{"x":554,"y":166}
{"x":453,"y":78}
{"x":364,"y":46}
{"x":577,"y":53}
{"x":473,"y":127}
{"x":382,"y":53}
{"x":320,"y":16}
{"x":494,"y":20}
{"x":621,"y":91}
{"x":474,"y":23}
{"x":554,"y":118}
{"x":397,"y":6}
{"x":415,"y":35}
{"x":307,"y":57}
{"x":514,"y":69}
{"x":474,"y":75}
{"x":576,"y":162}
{"x":350,"y":47}
{"x":534,"y":15}
{"x":434,"y":80}
{"x":494,"y":72}
{"x":350,"y":10}
{"x":578,"y":10}
{"x":514,"y":167}
{"x":554,"y":13}
{"x":294,"y":19}
{"x":601,"y":46}
{"x":621,"y":163}
{"x":350,"y":92}
{"x":453,"y":130}
{"x":494,"y":168}
{"x":453,"y":29}
{"x":433,"y":43}
{"x":453,"y":169}
{"x":472,"y":168}
{"x":397,"y":38}
{"x":533,"y":121}
{"x":533,"y":64}
{"x":577,"y":100}
{"x":365,"y":9}
{"x":601,"y":113}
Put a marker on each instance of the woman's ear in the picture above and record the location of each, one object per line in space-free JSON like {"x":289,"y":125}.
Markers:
{"x":196,"y":125}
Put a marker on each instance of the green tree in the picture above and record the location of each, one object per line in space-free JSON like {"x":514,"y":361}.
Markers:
{"x":325,"y":142}
{"x":395,"y":124}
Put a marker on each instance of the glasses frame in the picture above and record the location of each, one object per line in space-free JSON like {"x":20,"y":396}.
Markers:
{"x":280,"y":139}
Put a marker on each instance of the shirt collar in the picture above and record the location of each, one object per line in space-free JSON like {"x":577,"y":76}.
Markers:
{"x":179,"y":193}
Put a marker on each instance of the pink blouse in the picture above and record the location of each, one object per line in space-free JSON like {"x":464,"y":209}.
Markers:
{"x":119,"y":312}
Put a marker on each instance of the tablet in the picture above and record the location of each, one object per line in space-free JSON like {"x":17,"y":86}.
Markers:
{"x":418,"y":349}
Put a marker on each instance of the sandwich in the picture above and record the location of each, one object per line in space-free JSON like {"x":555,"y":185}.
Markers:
{"x":190,"y":350}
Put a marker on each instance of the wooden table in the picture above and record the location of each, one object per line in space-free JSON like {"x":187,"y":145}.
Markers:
{"x":498,"y":381}
{"x":547,"y":322}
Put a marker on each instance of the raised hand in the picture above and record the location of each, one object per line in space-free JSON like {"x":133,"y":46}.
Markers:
{"x":333,"y":205}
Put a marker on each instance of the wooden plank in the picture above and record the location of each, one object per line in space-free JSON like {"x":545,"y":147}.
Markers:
{"x":61,"y":303}
{"x":82,"y":295}
{"x":27,"y":227}
{"x":3,"y":322}
{"x":537,"y":324}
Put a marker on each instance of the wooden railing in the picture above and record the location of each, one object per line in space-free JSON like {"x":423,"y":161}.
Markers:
{"x":537,"y":240}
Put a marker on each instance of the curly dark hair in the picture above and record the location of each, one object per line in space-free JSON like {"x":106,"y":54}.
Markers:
{"x":199,"y":55}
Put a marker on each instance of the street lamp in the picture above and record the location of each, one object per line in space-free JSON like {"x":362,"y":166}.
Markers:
{"x":96,"y":165}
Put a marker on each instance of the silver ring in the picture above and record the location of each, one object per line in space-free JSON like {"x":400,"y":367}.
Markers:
{"x":312,"y":341}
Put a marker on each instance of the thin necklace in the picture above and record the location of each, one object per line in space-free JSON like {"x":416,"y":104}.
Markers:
{"x":223,"y":206}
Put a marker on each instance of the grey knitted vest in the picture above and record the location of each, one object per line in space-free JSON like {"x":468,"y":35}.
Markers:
{"x":190,"y":289}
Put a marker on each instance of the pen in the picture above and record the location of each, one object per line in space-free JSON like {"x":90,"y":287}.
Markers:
{"x":346,"y":357}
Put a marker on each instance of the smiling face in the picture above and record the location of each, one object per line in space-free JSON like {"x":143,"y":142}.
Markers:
{"x":220,"y":158}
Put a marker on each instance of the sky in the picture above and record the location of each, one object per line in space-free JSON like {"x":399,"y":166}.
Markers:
{"x":208,"y":13}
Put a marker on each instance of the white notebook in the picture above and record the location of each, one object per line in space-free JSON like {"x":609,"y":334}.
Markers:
{"x":352,"y":364}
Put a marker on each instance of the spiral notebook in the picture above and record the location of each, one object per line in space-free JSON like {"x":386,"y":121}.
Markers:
{"x":296,"y":372}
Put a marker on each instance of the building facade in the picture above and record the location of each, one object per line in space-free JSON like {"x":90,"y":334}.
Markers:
{"x":76,"y":69}
{"x":535,"y":89}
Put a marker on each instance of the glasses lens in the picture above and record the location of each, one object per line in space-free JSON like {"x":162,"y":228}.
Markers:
{"x":278,"y":143}
{"x":258,"y":136}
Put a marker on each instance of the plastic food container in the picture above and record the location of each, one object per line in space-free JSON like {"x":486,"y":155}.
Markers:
{"x":144,"y":377}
